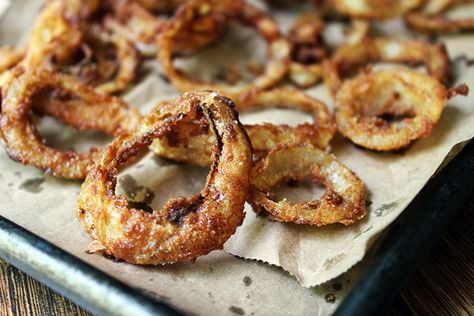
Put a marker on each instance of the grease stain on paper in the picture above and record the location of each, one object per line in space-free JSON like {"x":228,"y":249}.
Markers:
{"x":385,"y":209}
{"x":33,"y":185}
{"x":333,"y":260}
{"x":247,"y":281}
{"x":237,"y":310}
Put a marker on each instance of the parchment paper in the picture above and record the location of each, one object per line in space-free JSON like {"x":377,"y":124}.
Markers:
{"x":220,"y":283}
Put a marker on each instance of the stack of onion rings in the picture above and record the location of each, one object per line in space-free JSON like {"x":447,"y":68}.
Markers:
{"x":91,"y":111}
{"x":184,"y":228}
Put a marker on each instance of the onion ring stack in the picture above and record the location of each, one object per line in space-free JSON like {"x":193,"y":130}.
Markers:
{"x":79,"y":53}
{"x":184,"y":228}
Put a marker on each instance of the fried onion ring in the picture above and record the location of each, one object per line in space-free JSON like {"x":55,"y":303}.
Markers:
{"x":350,"y":57}
{"x":365,"y":105}
{"x":91,"y":111}
{"x":374,"y":9}
{"x":308,"y":47}
{"x":431,"y":18}
{"x":278,"y":52}
{"x":344,"y":199}
{"x":192,"y":143}
{"x":59,"y":34}
{"x":184,"y":228}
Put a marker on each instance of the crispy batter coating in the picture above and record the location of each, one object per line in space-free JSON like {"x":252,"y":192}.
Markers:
{"x":192,"y":142}
{"x":89,"y":111}
{"x":412,"y":100}
{"x":350,"y":57}
{"x":431,"y":18}
{"x":9,"y":57}
{"x":374,"y":9}
{"x":184,"y":228}
{"x":277,"y":62}
{"x":344,"y":199}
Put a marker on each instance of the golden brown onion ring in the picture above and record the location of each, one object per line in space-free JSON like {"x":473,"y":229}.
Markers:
{"x":344,"y":199}
{"x":184,"y":228}
{"x":414,"y":100}
{"x":92,"y":111}
{"x":431,"y":18}
{"x":350,"y":57}
{"x":278,"y":51}
{"x":192,"y":142}
{"x":374,"y":9}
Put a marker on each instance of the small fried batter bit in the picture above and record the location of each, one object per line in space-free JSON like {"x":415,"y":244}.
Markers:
{"x":344,"y":199}
{"x":388,"y":109}
{"x":184,"y":228}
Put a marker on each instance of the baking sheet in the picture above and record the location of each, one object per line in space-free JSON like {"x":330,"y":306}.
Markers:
{"x":221,"y":283}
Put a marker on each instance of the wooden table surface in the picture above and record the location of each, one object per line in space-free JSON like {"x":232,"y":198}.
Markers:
{"x":443,"y":285}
